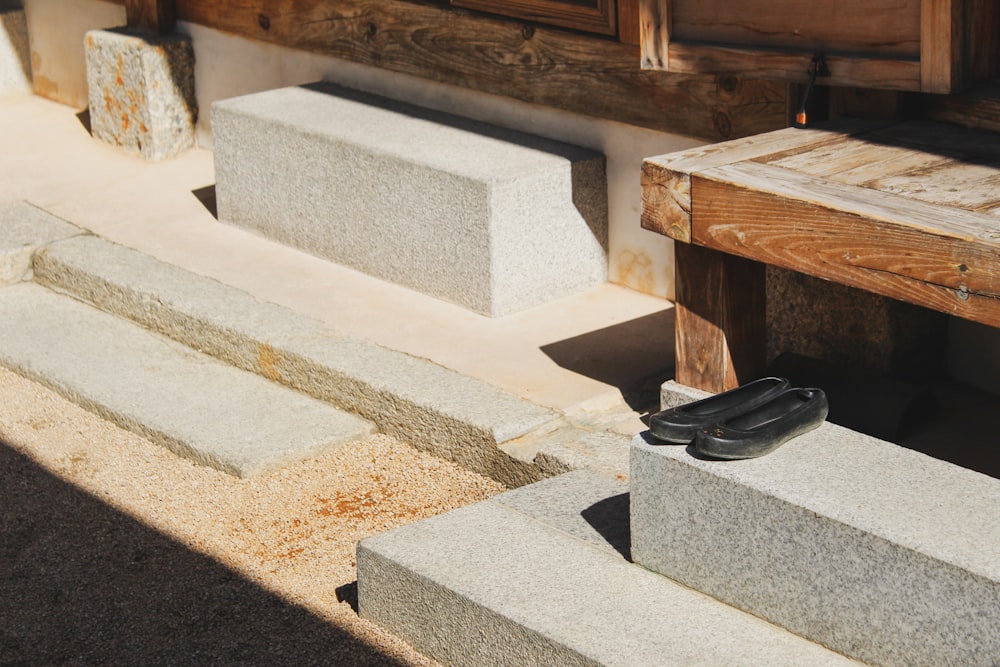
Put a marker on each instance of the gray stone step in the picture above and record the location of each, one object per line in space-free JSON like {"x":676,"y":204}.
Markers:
{"x":537,"y":576}
{"x":488,"y":218}
{"x":874,"y":550}
{"x":455,"y":416}
{"x":197,"y":406}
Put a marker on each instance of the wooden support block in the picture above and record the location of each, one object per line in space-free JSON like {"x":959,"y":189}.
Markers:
{"x":720,"y":331}
{"x":152,"y":16}
{"x":941,"y":30}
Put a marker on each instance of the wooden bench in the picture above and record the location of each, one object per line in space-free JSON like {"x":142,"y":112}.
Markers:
{"x":907,"y":210}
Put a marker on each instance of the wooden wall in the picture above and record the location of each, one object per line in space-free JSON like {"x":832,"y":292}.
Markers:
{"x":588,"y":74}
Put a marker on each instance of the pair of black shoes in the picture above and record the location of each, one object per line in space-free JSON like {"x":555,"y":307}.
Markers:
{"x":743,"y":423}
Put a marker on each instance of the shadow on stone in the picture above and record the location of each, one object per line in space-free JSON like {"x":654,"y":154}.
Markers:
{"x":206,"y":196}
{"x":610,"y":518}
{"x":349,"y":593}
{"x":83,"y":583}
{"x":84,"y":118}
{"x":636,"y":356}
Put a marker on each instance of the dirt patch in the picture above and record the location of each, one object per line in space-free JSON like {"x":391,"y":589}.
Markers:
{"x":116,"y":551}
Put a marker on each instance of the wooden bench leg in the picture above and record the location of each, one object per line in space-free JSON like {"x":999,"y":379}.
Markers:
{"x":720,"y":324}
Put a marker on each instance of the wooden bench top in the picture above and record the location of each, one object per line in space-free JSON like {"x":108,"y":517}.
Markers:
{"x":908,"y":210}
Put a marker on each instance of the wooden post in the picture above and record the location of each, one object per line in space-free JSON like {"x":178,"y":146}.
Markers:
{"x":151,"y":16}
{"x":720,"y":323}
{"x":941,"y":30}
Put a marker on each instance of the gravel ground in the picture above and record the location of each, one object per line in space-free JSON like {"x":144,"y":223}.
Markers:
{"x":114,"y":551}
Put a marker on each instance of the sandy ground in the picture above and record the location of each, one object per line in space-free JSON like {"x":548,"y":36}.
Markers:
{"x":114,"y":551}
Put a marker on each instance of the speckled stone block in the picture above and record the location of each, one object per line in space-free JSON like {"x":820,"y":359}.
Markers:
{"x":491,"y":219}
{"x":540,"y":576}
{"x":141,"y":90}
{"x":15,"y":54}
{"x":876,"y":551}
{"x":843,"y":325}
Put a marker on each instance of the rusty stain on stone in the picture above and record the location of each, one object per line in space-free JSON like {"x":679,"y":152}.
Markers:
{"x":267,"y":360}
{"x":635,"y":270}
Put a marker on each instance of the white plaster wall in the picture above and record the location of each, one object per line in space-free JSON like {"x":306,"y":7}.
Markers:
{"x":56,"y":29}
{"x":227,"y":66}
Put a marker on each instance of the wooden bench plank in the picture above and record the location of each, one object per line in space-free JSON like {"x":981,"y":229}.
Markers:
{"x":934,"y":256}
{"x":666,"y":179}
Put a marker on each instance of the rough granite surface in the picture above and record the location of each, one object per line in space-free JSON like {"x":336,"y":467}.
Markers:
{"x":141,"y":90}
{"x":876,"y":551}
{"x":491,"y":219}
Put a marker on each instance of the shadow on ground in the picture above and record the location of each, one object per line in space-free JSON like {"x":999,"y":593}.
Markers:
{"x":82,"y":583}
{"x":635,"y":356}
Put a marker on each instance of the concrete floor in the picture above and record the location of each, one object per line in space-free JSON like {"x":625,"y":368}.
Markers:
{"x":581,"y":353}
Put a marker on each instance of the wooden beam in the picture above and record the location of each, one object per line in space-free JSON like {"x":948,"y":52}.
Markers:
{"x":932,"y":255}
{"x":546,"y":66}
{"x":151,"y":16}
{"x":720,"y":339}
{"x":654,"y":34}
{"x":941,"y":48}
{"x":845,"y":70}
{"x":628,"y":21}
{"x":596,"y":16}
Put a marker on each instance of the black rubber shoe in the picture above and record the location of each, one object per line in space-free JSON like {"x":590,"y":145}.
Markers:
{"x":766,"y":427}
{"x":679,"y":425}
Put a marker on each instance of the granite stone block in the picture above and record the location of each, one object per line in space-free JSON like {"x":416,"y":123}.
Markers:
{"x":141,"y":90}
{"x":489,"y":218}
{"x":454,"y":416}
{"x":852,"y":328}
{"x":196,"y":406}
{"x":537,"y":577}
{"x":876,"y":551}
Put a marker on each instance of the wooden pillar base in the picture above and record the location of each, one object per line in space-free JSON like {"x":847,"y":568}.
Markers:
{"x":721,"y":322}
{"x":156,"y":17}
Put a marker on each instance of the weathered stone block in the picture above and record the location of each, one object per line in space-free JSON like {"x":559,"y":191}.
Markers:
{"x":489,"y":218}
{"x":871,"y":549}
{"x":15,"y":54}
{"x":141,"y":90}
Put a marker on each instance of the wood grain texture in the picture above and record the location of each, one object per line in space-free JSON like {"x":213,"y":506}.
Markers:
{"x":845,"y":69}
{"x":654,"y":34}
{"x":934,"y":256}
{"x":941,"y":47}
{"x":628,"y":22}
{"x":546,"y":66}
{"x":589,"y":15}
{"x":720,"y":319}
{"x":982,"y":40}
{"x":151,"y":16}
{"x":979,"y":108}
{"x":666,"y":179}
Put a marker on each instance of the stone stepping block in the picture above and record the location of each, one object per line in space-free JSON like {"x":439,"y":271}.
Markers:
{"x":196,"y":406}
{"x":537,"y":576}
{"x":491,"y":219}
{"x":877,"y":551}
